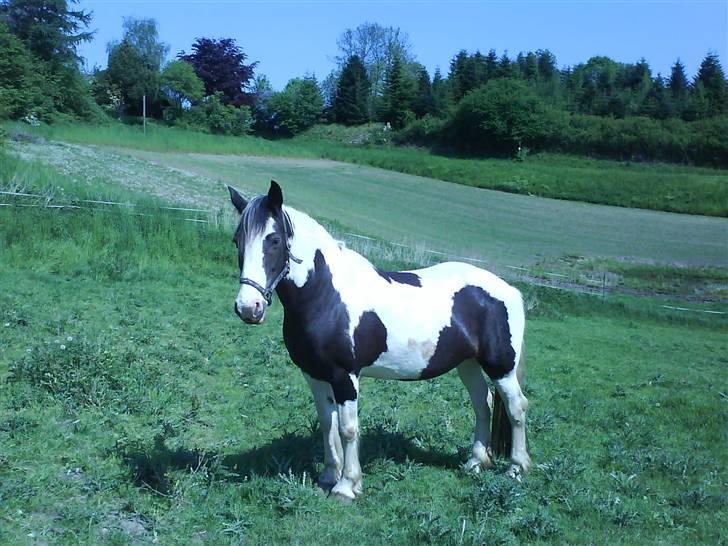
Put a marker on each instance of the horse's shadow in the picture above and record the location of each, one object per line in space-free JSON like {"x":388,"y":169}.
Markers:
{"x":292,"y":452}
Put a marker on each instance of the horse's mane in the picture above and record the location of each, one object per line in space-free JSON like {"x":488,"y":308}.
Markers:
{"x":255,"y":216}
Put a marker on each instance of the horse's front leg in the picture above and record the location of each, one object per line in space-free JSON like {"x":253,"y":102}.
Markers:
{"x":323,"y":396}
{"x":346,"y":392}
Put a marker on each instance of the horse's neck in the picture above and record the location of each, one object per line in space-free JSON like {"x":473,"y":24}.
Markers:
{"x":308,"y":237}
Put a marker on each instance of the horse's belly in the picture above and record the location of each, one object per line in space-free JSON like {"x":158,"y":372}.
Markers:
{"x":403,"y":361}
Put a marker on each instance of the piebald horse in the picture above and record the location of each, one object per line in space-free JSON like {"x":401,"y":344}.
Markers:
{"x":344,"y":318}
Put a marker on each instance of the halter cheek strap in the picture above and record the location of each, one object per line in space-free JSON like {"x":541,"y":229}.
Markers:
{"x":267,"y":292}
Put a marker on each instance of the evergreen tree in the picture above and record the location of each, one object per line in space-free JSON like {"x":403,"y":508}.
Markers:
{"x":678,"y":87}
{"x":48,"y":28}
{"x":397,"y":99}
{"x":711,"y":76}
{"x":440,"y":96}
{"x":505,"y":67}
{"x":424,"y":101}
{"x":657,"y":103}
{"x":352,"y":94}
{"x":491,"y":65}
{"x":459,"y":80}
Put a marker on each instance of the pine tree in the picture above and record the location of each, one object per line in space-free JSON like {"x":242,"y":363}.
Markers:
{"x":505,"y":67}
{"x":491,"y":65}
{"x":440,"y":95}
{"x":424,"y":102}
{"x":711,"y":76}
{"x":678,"y":87}
{"x":397,"y":98}
{"x":352,"y":94}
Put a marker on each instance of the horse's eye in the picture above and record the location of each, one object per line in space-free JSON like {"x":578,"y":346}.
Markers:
{"x":275,"y":241}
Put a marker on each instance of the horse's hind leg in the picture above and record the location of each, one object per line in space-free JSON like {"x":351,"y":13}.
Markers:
{"x":329,"y":420}
{"x":472,"y":377}
{"x":516,"y":405}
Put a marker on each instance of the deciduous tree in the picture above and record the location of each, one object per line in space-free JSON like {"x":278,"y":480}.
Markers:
{"x":220,"y":64}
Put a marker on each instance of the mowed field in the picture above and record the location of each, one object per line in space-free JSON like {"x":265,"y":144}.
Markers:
{"x":136,"y":408}
{"x":498,"y":228}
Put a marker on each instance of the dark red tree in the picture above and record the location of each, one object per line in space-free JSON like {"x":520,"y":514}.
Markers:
{"x":220,"y":64}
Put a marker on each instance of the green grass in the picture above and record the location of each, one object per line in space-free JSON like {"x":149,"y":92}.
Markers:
{"x":135,"y":407}
{"x":644,"y":185}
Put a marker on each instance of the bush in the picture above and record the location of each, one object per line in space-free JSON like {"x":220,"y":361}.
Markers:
{"x":213,"y":116}
{"x":500,"y":117}
{"x":426,"y":131}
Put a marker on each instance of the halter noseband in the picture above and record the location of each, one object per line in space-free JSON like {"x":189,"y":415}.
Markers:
{"x":267,"y":292}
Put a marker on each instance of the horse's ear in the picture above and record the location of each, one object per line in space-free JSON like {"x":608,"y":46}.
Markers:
{"x":275,"y":196}
{"x":237,"y":199}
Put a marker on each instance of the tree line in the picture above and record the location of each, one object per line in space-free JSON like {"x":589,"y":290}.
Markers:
{"x":485,"y":103}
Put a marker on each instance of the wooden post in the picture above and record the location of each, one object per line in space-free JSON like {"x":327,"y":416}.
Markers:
{"x":144,"y":112}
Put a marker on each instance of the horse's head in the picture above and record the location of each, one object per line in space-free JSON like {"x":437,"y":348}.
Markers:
{"x":263,"y":239}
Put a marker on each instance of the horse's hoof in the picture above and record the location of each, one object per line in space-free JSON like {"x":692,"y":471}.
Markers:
{"x":342,"y":498}
{"x":343,"y":492}
{"x":475,"y":465}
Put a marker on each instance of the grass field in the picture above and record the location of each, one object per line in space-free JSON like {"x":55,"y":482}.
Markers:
{"x":652,"y":186}
{"x":136,"y":408}
{"x":499,"y":228}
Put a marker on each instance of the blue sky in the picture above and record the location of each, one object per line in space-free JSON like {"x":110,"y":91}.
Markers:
{"x":290,"y":39}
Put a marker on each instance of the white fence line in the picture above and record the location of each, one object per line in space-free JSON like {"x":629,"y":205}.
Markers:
{"x":530,"y":280}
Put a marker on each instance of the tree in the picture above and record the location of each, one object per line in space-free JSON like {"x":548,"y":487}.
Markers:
{"x":51,"y":32}
{"x":21,"y":80}
{"x":134,"y":64}
{"x":501,"y":116}
{"x":181,"y":84}
{"x":440,"y":96}
{"x":711,"y":76}
{"x":396,"y":102}
{"x":48,"y":28}
{"x":376,"y":46}
{"x":298,"y":106}
{"x":142,"y":35}
{"x":220,"y":64}
{"x":678,"y":86}
{"x":134,"y":78}
{"x":423,"y":102}
{"x":351,"y":104}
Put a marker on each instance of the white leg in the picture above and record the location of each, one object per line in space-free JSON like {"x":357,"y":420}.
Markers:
{"x":323,"y":395}
{"x":516,"y":405}
{"x":350,"y":483}
{"x":472,"y":377}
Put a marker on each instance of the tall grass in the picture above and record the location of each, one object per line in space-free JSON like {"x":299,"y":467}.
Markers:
{"x":675,"y":188}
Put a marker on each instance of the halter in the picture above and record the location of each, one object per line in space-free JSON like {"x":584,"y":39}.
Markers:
{"x":267,"y":292}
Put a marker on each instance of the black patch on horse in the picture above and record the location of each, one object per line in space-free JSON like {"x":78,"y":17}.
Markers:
{"x":478,"y":328}
{"x":316,"y":331}
{"x":402,"y":277}
{"x":370,"y":339}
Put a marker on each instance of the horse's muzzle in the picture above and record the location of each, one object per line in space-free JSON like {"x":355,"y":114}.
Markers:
{"x":250,"y":315}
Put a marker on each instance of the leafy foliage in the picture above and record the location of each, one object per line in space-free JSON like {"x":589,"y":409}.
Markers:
{"x":297,"y":107}
{"x":220,"y":64}
{"x":501,"y":116}
{"x":181,"y":84}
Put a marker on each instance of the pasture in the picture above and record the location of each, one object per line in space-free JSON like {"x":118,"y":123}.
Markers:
{"x":656,"y":186}
{"x":496,"y":227}
{"x":136,"y":408}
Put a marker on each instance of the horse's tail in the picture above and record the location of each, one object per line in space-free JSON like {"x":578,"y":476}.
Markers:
{"x":501,"y":431}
